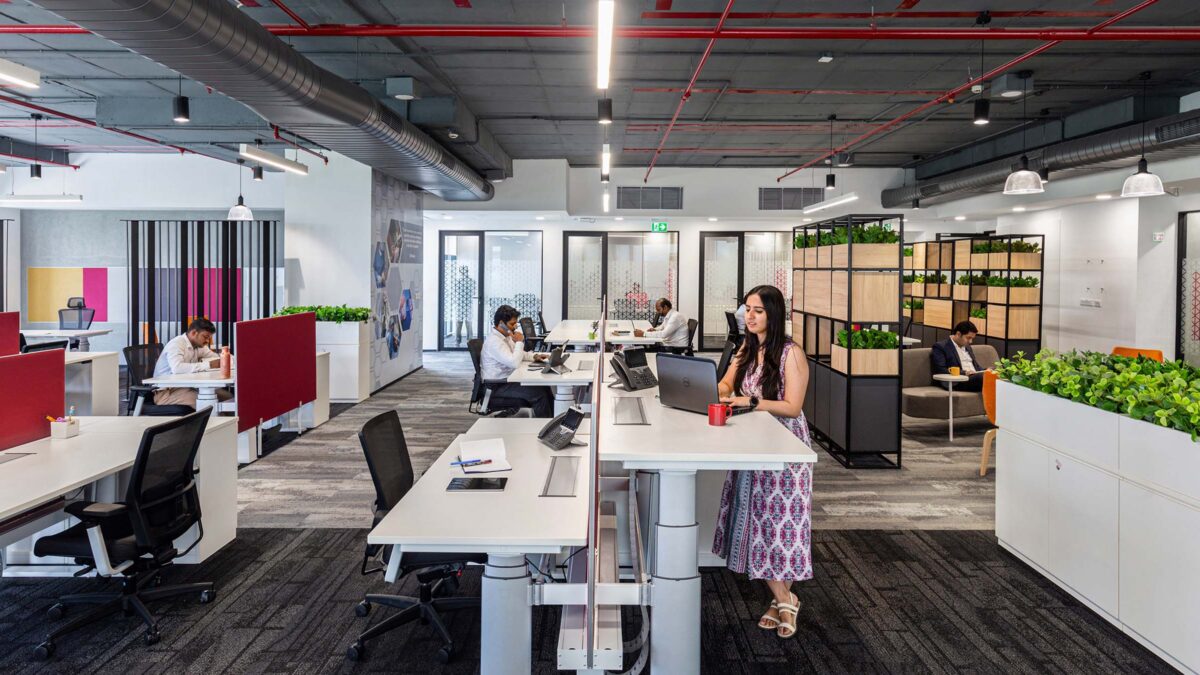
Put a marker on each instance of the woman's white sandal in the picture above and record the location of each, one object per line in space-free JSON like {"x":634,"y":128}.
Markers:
{"x":774,"y":623}
{"x":787,"y":629}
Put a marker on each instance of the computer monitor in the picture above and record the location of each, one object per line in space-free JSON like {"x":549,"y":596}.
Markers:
{"x":687,"y":382}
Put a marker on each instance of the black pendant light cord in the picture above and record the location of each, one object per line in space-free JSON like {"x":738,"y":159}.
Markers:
{"x":1145,"y":83}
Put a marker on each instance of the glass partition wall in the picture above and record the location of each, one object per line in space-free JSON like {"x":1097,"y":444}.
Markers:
{"x":731,"y":263}
{"x":632,"y":268}
{"x":481,"y":271}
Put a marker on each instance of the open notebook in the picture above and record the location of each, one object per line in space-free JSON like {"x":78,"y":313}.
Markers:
{"x":484,"y":449}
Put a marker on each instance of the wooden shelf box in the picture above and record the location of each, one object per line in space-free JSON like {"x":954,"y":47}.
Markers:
{"x":919,"y":255}
{"x":997,"y":294}
{"x":939,"y":256}
{"x":810,"y":257}
{"x":1015,"y":261}
{"x":798,"y":328}
{"x":939,"y":313}
{"x":798,"y":258}
{"x":873,"y":256}
{"x":864,"y":361}
{"x":798,"y":290}
{"x":969,"y":293}
{"x":962,"y":254}
{"x":1014,"y":322}
{"x":817,"y":286}
{"x":917,"y":315}
{"x":981,"y":324}
{"x":875,"y":296}
{"x":908,"y":262}
{"x":1024,"y":295}
{"x":979,"y":261}
{"x":917,"y":290}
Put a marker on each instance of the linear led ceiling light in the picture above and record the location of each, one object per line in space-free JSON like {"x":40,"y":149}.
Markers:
{"x":606,"y":160}
{"x":604,"y":41}
{"x":15,"y":73}
{"x":606,"y":201}
{"x":261,"y":156}
{"x":41,"y":199}
{"x":830,"y":203}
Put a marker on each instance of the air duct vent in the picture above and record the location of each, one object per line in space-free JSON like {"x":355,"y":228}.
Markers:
{"x":656,"y":198}
{"x":788,"y":199}
{"x":1177,"y":130}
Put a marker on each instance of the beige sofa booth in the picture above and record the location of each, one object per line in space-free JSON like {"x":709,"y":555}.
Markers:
{"x":922,"y":397}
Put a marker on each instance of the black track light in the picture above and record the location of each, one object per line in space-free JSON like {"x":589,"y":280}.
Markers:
{"x":604,"y":111}
{"x":916,"y":203}
{"x":182,"y":110}
{"x":257,"y":173}
{"x":830,"y":181}
{"x":35,"y":172}
{"x":983,"y":108}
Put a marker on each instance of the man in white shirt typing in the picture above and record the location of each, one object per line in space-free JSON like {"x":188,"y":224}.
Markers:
{"x":187,"y":353}
{"x":674,"y":327}
{"x":504,"y":352}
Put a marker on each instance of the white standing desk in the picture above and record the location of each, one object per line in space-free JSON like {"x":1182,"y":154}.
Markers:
{"x":63,"y":334}
{"x":577,"y":331}
{"x":94,"y":465}
{"x":506,"y":526}
{"x":677,"y":445}
{"x":93,"y":384}
{"x":565,"y":384}
{"x":206,"y":383}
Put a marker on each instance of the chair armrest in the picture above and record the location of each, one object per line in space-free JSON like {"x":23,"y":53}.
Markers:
{"x":494,"y":383}
{"x":96,"y":511}
{"x":141,"y":388}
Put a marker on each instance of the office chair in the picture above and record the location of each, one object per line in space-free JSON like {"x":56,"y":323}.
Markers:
{"x":76,"y":303}
{"x":734,"y":333}
{"x":542,"y":324}
{"x":140,"y":360}
{"x":688,"y":350}
{"x":30,"y":347}
{"x":135,"y":538}
{"x":383,"y":444}
{"x":482,"y":402}
{"x":75,"y":318}
{"x":989,"y":407}
{"x":533,"y":340}
{"x":727,"y":353}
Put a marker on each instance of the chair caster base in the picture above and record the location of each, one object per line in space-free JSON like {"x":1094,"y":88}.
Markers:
{"x":355,"y":652}
{"x":207,"y":596}
{"x":56,"y":611}
{"x":362,"y":609}
{"x":44,"y":651}
{"x":152,"y":637}
{"x":446,"y":653}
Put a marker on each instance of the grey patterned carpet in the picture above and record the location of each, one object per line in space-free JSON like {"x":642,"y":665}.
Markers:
{"x":881,"y":601}
{"x":320,"y":479}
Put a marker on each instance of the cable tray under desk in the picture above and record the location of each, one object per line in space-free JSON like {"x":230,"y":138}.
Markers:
{"x":562,"y":476}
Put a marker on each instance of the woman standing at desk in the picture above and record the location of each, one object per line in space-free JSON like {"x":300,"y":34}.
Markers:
{"x":764,"y":524}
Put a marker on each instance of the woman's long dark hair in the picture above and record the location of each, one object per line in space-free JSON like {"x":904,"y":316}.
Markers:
{"x":776,"y":338}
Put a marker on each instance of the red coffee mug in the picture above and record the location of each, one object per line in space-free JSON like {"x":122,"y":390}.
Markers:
{"x":718,"y":413}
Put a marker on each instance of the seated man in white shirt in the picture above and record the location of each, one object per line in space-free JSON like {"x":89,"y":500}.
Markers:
{"x":187,"y":353}
{"x":504,"y":352}
{"x":673,"y":328}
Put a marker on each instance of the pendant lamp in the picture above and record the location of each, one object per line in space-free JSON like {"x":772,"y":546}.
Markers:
{"x":830,"y":179}
{"x":1023,"y":181}
{"x":1143,"y":183}
{"x":240,"y":211}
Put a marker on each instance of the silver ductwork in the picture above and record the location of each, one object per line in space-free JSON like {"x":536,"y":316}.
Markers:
{"x":1165,"y":138}
{"x":210,"y":41}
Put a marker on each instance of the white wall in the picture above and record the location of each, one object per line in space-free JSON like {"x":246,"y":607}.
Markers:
{"x":12,"y":262}
{"x":327,"y":234}
{"x":149,"y":182}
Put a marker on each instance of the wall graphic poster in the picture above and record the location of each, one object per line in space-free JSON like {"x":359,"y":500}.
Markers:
{"x":396,"y":306}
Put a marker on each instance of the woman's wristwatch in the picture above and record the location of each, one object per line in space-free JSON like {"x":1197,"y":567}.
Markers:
{"x":753,"y":402}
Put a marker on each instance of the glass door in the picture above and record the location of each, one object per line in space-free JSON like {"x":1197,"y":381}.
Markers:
{"x":731,"y":263}
{"x":633,"y":268}
{"x":767,"y":260}
{"x":512,"y":273}
{"x":459,"y":309}
{"x":1187,"y":315}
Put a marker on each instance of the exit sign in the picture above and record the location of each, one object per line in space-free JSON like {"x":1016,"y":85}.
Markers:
{"x":658,"y":227}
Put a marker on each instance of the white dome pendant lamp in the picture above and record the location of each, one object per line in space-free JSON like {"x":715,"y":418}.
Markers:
{"x":240,"y":211}
{"x":1143,"y":183}
{"x":1023,"y":181}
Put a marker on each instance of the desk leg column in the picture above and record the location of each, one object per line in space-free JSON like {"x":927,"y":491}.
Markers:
{"x":675,"y":617}
{"x":206,"y":397}
{"x":564,"y":398}
{"x":506,"y":634}
{"x":84,"y":345}
{"x":951,"y":388}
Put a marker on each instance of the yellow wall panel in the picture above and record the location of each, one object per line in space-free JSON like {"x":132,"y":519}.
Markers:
{"x":47,"y":290}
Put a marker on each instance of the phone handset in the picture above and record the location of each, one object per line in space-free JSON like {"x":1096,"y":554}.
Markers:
{"x":621,"y":369}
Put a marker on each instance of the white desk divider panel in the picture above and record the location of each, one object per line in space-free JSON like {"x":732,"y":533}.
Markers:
{"x":1108,"y":508}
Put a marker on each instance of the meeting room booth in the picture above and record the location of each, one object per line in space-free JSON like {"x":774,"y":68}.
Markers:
{"x":731,"y":263}
{"x":632,"y":269}
{"x":478,"y":272}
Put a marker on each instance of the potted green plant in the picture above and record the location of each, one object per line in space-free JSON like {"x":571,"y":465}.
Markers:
{"x":865,"y":352}
{"x":979,"y":318}
{"x":970,"y":287}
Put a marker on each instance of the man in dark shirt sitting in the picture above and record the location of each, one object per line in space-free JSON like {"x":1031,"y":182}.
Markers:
{"x":955,"y":351}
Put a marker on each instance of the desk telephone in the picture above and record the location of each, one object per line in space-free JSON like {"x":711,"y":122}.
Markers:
{"x":560,"y":431}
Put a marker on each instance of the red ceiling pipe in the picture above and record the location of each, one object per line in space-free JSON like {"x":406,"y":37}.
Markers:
{"x":36,"y":160}
{"x":963,"y":87}
{"x":795,"y":92}
{"x":297,"y":146}
{"x":687,"y":93}
{"x":291,"y":15}
{"x":728,"y":151}
{"x":1143,"y":34}
{"x":1019,"y":14}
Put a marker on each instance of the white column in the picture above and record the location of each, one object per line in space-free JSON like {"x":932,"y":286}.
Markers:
{"x":675,"y":620}
{"x":506,"y":634}
{"x":564,"y":397}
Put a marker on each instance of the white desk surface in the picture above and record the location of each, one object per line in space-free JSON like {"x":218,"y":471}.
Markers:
{"x":496,"y":426}
{"x":104,"y":446}
{"x":57,"y":333}
{"x":577,"y":330}
{"x":680,"y":439}
{"x":71,"y":358}
{"x":908,"y":341}
{"x":207,"y":378}
{"x":576,"y":377}
{"x":514,"y":521}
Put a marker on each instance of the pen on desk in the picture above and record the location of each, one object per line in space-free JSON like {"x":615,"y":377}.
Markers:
{"x":467,"y":462}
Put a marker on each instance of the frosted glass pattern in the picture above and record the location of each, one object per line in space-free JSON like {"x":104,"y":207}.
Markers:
{"x":460,"y":291}
{"x":642,"y":267}
{"x":720,"y":291}
{"x":585,"y":256}
{"x":512,"y":269}
{"x":1189,"y":296}
{"x":768,"y":260}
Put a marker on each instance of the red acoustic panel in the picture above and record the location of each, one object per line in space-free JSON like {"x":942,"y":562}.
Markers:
{"x":10,"y":330}
{"x":276,"y":366}
{"x":33,"y":387}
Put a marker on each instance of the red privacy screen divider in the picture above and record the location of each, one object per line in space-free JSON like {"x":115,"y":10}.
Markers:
{"x":10,"y":330}
{"x":32,"y":389}
{"x":276,"y":366}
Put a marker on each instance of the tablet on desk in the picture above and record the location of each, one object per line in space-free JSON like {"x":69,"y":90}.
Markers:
{"x":464,"y":484}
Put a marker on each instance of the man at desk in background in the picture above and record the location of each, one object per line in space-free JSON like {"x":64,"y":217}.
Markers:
{"x":955,"y":351}
{"x":674,"y":326}
{"x":187,"y":353}
{"x":504,"y":352}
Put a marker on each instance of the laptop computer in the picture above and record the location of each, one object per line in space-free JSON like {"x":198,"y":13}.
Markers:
{"x":689,"y":383}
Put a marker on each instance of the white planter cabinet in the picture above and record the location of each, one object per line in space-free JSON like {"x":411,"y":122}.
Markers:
{"x":1107,"y":507}
{"x":349,"y":348}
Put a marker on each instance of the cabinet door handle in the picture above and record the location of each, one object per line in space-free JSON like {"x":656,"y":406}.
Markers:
{"x":1057,"y":465}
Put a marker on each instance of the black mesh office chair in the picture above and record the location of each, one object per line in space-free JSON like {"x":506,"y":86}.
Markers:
{"x":734,"y":332}
{"x":76,"y":302}
{"x":727,"y":353}
{"x":135,"y":538}
{"x":75,"y":318}
{"x":542,"y":324}
{"x":691,"y":340}
{"x":482,"y":401}
{"x":383,"y":444}
{"x":533,"y":340}
{"x":141,"y":359}
{"x":30,"y":347}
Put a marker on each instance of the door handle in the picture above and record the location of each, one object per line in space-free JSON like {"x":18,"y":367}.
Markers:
{"x":1057,"y":465}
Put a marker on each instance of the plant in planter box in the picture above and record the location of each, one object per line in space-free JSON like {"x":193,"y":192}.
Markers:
{"x":908,"y":252}
{"x":914,"y":303}
{"x":874,"y":234}
{"x":1166,"y":394}
{"x":939,"y":278}
{"x":972,"y":280}
{"x":997,"y":281}
{"x":867,"y":338}
{"x":334,"y":313}
{"x":978,"y":313}
{"x":911,"y":278}
{"x":804,"y":241}
{"x":1023,"y":282}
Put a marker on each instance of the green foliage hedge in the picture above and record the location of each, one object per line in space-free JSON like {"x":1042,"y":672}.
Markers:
{"x":914,"y":303}
{"x":908,"y":251}
{"x":867,"y":338}
{"x":979,"y":313}
{"x":1166,"y":394}
{"x":1003,"y":246}
{"x":972,"y":280}
{"x":334,"y":313}
{"x":862,"y":234}
{"x":1015,"y":282}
